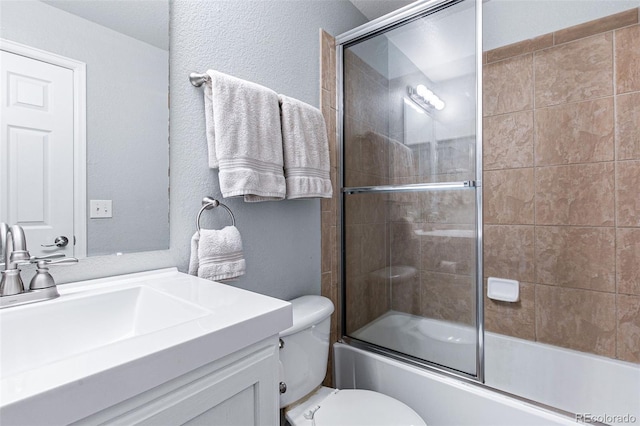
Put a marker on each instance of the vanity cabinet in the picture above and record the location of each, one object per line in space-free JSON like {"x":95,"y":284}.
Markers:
{"x":239,"y":389}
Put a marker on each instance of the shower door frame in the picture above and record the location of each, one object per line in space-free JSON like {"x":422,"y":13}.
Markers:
{"x":379,"y":26}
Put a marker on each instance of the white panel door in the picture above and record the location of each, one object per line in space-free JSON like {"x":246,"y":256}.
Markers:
{"x":36,"y":151}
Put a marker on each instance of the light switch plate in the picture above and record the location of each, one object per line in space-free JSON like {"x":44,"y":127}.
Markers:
{"x":100,"y":209}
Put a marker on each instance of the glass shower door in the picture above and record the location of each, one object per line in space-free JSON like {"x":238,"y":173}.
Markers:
{"x":411,"y":206}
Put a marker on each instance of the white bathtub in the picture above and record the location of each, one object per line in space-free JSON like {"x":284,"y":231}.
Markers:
{"x":605,"y":389}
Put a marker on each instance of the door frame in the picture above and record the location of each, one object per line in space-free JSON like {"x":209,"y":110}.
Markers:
{"x":79,"y":70}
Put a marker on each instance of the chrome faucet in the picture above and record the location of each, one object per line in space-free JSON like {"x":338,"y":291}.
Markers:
{"x":42,"y":287}
{"x":14,"y":245}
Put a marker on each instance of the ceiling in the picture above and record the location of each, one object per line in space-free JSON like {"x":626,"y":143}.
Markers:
{"x":147,"y":21}
{"x":373,"y":9}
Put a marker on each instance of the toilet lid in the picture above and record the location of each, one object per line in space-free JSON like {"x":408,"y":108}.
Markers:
{"x":356,"y":407}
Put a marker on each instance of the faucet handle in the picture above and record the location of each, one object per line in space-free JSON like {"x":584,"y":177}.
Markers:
{"x":36,"y":259}
{"x":44,"y":263}
{"x":43,"y":279}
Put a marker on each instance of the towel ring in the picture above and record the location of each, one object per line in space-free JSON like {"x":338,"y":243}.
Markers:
{"x":207,"y":204}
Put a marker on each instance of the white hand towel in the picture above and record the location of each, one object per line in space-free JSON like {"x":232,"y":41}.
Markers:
{"x":217,"y":254}
{"x":244,"y":138}
{"x":306,"y":150}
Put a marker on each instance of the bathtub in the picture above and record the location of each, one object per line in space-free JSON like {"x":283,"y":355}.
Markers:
{"x":594,"y":387}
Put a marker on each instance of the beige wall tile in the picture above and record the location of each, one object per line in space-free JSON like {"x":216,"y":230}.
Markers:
{"x":378,"y":296}
{"x":333,"y":151}
{"x":353,"y":135}
{"x":405,"y":244}
{"x":375,"y":154}
{"x":325,"y":50}
{"x":403,"y":161}
{"x":508,"y":196}
{"x":448,"y":297}
{"x":330,"y":204}
{"x":353,"y":243}
{"x":508,"y":141}
{"x":447,"y":254}
{"x":628,"y":260}
{"x":576,"y":257}
{"x":366,"y":94}
{"x":628,"y":328}
{"x":628,"y":193}
{"x":628,"y":126}
{"x":608,"y":23}
{"x":575,"y":133}
{"x":512,"y":319}
{"x":357,"y":303}
{"x":335,"y":265}
{"x":628,"y":59}
{"x":578,"y":194}
{"x":354,"y":210}
{"x":374,"y":247}
{"x":365,"y":209}
{"x":368,"y":297}
{"x":332,"y":79}
{"x":520,"y":48}
{"x":577,"y":319}
{"x":325,"y":285}
{"x":575,"y":71}
{"x":325,"y":241}
{"x":509,"y":252}
{"x":405,"y":293}
{"x":403,"y":206}
{"x":508,"y":85}
{"x":453,"y":207}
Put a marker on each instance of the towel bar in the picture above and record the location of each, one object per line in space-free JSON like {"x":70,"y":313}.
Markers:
{"x":207,"y":204}
{"x":198,"y":79}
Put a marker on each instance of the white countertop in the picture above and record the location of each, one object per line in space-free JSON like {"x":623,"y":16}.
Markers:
{"x":228,"y":319}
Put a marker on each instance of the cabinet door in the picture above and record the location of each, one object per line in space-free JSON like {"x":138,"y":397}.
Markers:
{"x":243,"y":392}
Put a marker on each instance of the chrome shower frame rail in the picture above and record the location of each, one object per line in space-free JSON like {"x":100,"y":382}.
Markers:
{"x":400,"y":17}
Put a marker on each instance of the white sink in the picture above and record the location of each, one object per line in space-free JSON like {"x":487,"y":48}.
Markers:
{"x":105,"y":341}
{"x":41,"y":334}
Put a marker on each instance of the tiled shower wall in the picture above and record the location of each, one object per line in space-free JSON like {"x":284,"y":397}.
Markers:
{"x":562,"y":186}
{"x":562,"y":172}
{"x":330,"y":283}
{"x":366,"y":154}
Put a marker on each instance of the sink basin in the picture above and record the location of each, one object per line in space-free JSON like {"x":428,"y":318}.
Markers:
{"x":105,"y":341}
{"x":53,"y":331}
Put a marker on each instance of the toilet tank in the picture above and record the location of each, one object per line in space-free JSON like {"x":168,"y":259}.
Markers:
{"x":306,"y":347}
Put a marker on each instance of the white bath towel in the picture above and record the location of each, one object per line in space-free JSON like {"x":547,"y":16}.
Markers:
{"x":306,"y":150}
{"x":244,"y":138}
{"x":217,"y":254}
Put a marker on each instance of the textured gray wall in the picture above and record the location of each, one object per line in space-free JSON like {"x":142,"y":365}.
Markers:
{"x":127,"y":121}
{"x":276,"y":44}
{"x":271,"y":42}
{"x":508,"y":21}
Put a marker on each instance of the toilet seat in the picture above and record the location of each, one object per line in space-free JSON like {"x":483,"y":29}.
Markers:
{"x":352,"y":407}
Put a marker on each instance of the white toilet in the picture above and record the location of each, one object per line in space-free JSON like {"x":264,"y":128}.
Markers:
{"x":304,"y":364}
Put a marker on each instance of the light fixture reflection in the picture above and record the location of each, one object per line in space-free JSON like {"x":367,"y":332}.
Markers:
{"x":425,"y":98}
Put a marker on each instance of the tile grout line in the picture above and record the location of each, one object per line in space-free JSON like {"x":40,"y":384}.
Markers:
{"x":562,"y":104}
